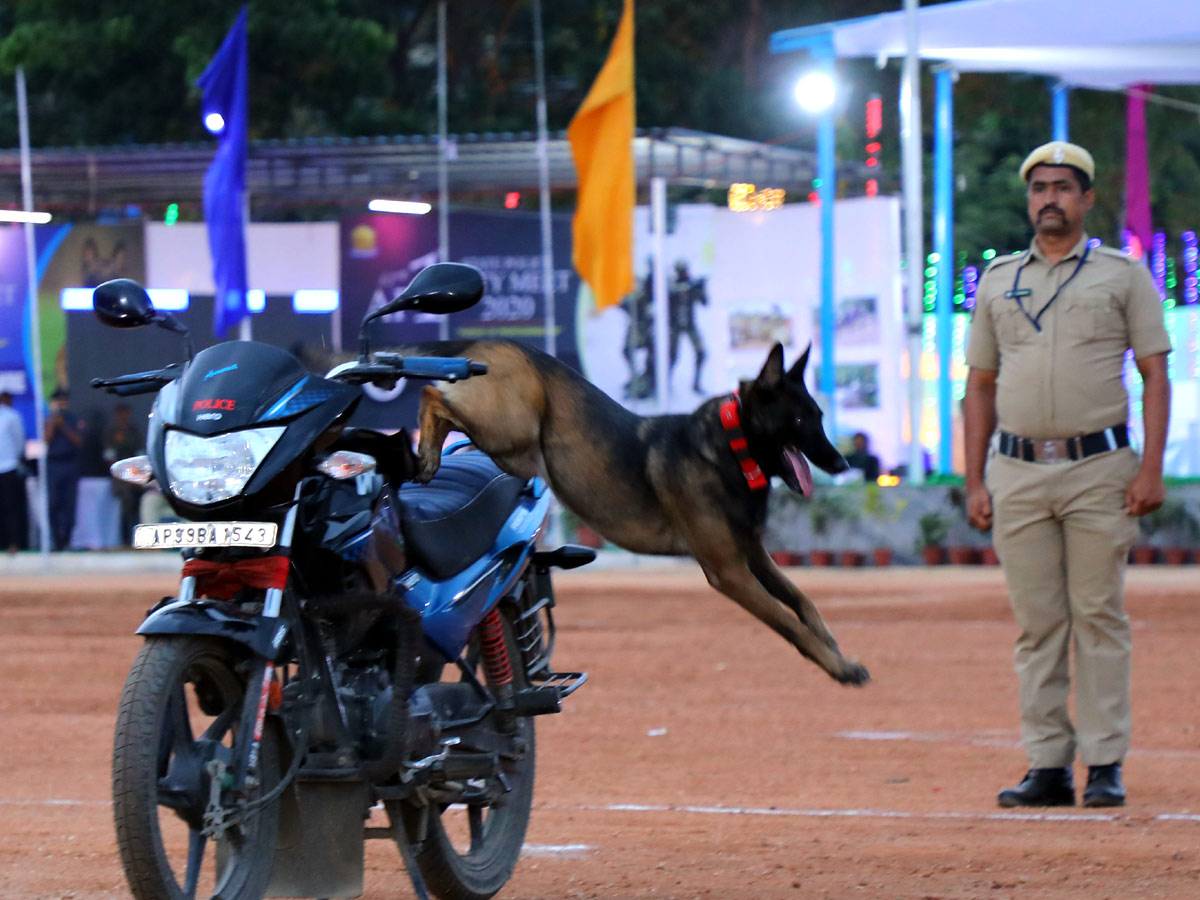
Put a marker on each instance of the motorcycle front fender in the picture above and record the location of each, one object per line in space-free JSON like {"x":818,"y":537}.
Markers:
{"x":263,"y":636}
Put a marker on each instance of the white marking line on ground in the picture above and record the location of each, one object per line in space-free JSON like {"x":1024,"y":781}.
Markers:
{"x":555,"y":849}
{"x":871,"y":813}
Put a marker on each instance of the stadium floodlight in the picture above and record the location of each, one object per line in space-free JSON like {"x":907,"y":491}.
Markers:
{"x":406,"y":207}
{"x":19,"y":215}
{"x":815,"y":91}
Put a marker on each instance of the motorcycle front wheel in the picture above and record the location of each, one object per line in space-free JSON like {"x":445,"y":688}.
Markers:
{"x":179,"y":725}
{"x":470,"y":849}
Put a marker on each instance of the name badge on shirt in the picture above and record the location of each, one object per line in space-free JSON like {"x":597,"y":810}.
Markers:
{"x":1013,"y":295}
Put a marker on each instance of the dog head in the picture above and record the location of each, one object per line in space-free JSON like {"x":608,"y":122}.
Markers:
{"x":783,"y":424}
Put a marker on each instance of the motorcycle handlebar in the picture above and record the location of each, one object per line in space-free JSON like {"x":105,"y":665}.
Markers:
{"x":138,"y":382}
{"x":390,"y":366}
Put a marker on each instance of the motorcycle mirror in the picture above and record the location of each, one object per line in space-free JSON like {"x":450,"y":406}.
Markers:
{"x":123,"y":303}
{"x":442,"y":288}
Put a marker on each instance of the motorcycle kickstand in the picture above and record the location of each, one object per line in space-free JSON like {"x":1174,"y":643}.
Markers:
{"x":410,"y":866}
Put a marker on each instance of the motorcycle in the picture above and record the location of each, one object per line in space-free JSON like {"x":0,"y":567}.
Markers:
{"x":344,"y":647}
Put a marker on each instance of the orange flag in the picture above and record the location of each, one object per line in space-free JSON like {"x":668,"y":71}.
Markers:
{"x":601,"y":136}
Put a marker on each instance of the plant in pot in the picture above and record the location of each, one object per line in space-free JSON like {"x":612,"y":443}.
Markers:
{"x":1178,"y":528}
{"x":1143,"y":551}
{"x":881,"y":507}
{"x":959,"y":554}
{"x":931,"y":542}
{"x":825,"y":508}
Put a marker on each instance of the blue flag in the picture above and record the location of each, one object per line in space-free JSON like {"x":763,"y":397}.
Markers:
{"x":224,"y":87}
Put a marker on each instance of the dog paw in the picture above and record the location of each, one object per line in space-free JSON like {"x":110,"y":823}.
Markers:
{"x":853,"y":673}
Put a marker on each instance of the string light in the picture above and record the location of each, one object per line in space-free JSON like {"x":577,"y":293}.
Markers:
{"x":970,"y":286}
{"x":931,"y":270}
{"x":1191,"y":259}
{"x":1158,"y":262}
{"x":874,"y":124}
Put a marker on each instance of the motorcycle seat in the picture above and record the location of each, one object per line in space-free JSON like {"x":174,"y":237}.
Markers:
{"x":454,"y":519}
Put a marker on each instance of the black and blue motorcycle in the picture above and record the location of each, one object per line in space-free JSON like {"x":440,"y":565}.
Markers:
{"x":348,"y":656}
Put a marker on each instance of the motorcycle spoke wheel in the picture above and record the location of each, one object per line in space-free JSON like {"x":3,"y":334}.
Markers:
{"x":180,"y":710}
{"x":470,"y":849}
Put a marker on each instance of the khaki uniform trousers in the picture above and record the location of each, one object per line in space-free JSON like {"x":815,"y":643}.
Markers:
{"x":1062,"y":535}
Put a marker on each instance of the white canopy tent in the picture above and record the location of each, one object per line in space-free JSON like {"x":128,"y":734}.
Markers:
{"x":1082,"y":43}
{"x":1098,"y":44}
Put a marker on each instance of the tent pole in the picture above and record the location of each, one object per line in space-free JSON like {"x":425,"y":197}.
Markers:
{"x":943,"y":246}
{"x":33,"y":321}
{"x":658,"y":226}
{"x":914,"y":249}
{"x":827,"y":174}
{"x":442,"y":173}
{"x":543,"y":152}
{"x":1060,"y":102}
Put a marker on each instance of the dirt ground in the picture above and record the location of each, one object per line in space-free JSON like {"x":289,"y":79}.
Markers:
{"x":704,"y":758}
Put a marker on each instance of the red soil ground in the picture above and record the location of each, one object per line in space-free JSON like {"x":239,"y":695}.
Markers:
{"x":704,"y":759}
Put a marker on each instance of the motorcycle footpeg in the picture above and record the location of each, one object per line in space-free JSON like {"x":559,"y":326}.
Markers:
{"x":568,"y":556}
{"x":537,"y":701}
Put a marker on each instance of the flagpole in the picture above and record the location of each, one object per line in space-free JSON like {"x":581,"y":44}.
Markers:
{"x":914,"y":231}
{"x":443,"y":175}
{"x":245,"y":329}
{"x":35,"y":327}
{"x":543,"y":152}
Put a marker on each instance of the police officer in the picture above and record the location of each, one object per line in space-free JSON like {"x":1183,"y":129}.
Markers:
{"x":1062,"y":488}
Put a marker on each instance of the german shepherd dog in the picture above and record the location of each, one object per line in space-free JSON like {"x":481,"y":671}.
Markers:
{"x":687,"y":485}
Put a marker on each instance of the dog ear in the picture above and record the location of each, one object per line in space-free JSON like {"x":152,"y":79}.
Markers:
{"x":796,"y":372}
{"x":772,"y":370}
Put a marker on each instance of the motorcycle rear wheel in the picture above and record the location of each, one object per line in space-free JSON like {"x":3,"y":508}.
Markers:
{"x":182,"y":706}
{"x":470,"y":850}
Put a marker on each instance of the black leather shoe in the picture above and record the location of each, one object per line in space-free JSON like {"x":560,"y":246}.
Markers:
{"x":1104,"y":787}
{"x":1041,"y":787}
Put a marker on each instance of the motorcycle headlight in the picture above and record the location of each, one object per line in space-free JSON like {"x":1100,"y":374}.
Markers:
{"x":205,"y":470}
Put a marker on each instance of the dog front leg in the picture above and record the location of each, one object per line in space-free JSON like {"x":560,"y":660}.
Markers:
{"x":436,"y":424}
{"x":736,"y":581}
{"x":779,"y":585}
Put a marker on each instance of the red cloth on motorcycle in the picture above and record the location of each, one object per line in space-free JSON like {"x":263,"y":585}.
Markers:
{"x":731,"y":420}
{"x":221,"y":580}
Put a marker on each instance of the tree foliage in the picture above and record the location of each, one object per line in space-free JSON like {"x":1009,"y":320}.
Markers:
{"x":120,"y":71}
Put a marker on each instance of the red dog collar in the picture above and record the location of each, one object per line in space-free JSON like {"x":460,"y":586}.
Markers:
{"x":731,"y":419}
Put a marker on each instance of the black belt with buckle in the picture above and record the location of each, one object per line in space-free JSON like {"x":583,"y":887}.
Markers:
{"x":1065,"y":449}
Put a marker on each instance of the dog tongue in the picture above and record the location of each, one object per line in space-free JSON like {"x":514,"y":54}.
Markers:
{"x":801,"y":471}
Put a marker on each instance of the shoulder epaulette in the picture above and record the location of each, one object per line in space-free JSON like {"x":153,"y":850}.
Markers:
{"x":1003,"y":261}
{"x":1113,"y":253}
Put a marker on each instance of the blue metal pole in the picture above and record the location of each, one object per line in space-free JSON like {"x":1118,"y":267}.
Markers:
{"x":1060,"y":104}
{"x":943,"y":245}
{"x":827,"y":173}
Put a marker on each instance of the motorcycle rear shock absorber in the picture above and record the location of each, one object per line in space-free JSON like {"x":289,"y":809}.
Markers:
{"x":495,"y":654}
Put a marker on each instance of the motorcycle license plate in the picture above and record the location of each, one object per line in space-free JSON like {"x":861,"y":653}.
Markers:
{"x":205,"y":534}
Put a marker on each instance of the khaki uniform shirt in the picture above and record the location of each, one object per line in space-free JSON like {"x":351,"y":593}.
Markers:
{"x":1064,"y":379}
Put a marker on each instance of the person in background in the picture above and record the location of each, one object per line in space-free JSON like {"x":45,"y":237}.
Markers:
{"x":14,"y":525}
{"x":64,"y":438}
{"x":862,"y":457}
{"x":123,"y":439}
{"x":1064,"y":488}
